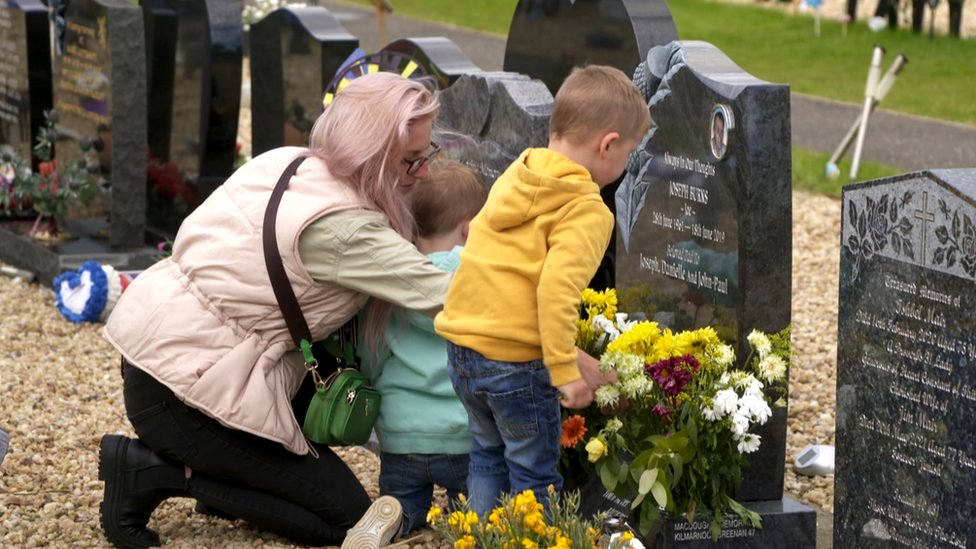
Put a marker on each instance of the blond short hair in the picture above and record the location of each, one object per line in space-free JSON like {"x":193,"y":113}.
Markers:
{"x":453,"y":194}
{"x":595,"y":99}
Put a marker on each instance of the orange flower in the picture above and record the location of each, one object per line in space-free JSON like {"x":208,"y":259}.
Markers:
{"x":574,"y":428}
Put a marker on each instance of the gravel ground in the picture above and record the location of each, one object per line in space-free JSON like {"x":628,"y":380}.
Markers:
{"x":61,"y":390}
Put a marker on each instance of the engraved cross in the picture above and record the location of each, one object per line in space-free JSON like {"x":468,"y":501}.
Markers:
{"x":924,"y":216}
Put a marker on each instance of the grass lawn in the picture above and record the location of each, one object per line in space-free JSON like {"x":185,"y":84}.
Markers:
{"x":778,"y":47}
{"x":809,"y":172}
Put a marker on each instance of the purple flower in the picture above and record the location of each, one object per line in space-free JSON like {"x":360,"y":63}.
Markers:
{"x":660,"y":410}
{"x":672,"y":374}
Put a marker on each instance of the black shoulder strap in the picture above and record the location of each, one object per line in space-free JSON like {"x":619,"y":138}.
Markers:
{"x":290,"y":309}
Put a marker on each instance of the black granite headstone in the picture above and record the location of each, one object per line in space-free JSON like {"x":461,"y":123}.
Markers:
{"x":906,"y":345}
{"x":25,"y":73}
{"x":160,"y":19}
{"x":704,"y":236}
{"x":197,"y":53}
{"x":438,"y":57}
{"x":100,"y":95}
{"x":547,"y":39}
{"x":295,"y":53}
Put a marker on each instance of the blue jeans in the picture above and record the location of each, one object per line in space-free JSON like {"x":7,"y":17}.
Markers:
{"x":411,"y":478}
{"x":514,"y":417}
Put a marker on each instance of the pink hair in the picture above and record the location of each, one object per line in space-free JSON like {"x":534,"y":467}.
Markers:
{"x":362,"y":137}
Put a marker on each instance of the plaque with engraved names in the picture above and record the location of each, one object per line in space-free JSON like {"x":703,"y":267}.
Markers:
{"x":906,"y":381}
{"x":25,"y":73}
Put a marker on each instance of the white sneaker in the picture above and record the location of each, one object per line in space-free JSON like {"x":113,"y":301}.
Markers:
{"x":377,"y":527}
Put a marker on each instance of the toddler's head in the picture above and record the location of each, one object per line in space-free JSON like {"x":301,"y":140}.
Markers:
{"x":445,"y":203}
{"x":601,"y":116}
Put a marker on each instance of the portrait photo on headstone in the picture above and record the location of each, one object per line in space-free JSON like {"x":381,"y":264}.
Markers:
{"x":722,"y":121}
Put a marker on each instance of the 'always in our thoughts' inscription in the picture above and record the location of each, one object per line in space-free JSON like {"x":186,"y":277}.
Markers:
{"x":682,"y":256}
{"x":906,"y":457}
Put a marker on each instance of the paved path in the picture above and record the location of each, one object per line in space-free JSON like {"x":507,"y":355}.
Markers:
{"x":909,"y":142}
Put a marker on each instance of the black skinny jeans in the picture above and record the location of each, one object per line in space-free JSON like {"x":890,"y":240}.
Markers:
{"x":303,"y":498}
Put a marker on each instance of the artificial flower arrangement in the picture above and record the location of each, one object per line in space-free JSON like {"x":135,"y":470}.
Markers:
{"x":520,"y":521}
{"x":672,"y":433}
{"x":50,"y":192}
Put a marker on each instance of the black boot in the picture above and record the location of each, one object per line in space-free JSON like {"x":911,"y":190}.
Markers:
{"x":136,"y":481}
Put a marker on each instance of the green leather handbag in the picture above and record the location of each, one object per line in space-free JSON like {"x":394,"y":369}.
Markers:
{"x":343,"y":410}
{"x":344,"y":407}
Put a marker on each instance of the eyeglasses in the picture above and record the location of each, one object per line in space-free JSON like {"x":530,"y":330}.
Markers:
{"x":413,"y":166}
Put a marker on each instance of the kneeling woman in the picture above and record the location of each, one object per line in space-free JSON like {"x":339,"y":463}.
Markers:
{"x":210,"y":369}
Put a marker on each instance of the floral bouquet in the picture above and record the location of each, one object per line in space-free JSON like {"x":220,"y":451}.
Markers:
{"x":521,"y":522}
{"x":671,"y":434}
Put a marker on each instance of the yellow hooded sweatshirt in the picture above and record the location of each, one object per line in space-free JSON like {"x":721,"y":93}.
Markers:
{"x":531,"y":251}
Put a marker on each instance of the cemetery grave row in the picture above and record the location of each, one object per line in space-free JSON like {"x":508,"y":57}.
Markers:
{"x":703,"y":209}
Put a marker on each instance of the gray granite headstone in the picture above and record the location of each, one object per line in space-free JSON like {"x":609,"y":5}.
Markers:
{"x":491,"y":117}
{"x":295,"y":53}
{"x":25,"y":73}
{"x":704,"y":231}
{"x":100,"y":95}
{"x":906,"y":350}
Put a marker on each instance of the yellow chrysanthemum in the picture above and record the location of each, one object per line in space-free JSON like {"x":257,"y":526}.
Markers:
{"x":626,"y":536}
{"x":529,"y":544}
{"x":465,"y":542}
{"x":433,"y":513}
{"x":670,"y":345}
{"x":704,"y":337}
{"x":638,"y":340}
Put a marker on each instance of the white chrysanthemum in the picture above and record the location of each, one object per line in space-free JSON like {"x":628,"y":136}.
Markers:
{"x":724,"y":379}
{"x":708,"y":413}
{"x":723,"y":355}
{"x":748,"y":444}
{"x":607,"y":395}
{"x":629,"y":367}
{"x":608,"y":362}
{"x":613,"y":425}
{"x":755,"y":408}
{"x":635,"y":386}
{"x":772,"y":368}
{"x":740,"y":424}
{"x":725,"y":402}
{"x":752,"y":386}
{"x":760,"y":343}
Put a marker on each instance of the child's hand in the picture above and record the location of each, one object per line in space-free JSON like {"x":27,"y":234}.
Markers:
{"x":576,"y":394}
{"x":589,"y":368}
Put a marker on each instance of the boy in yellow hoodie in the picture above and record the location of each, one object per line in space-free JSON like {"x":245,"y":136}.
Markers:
{"x":509,"y":316}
